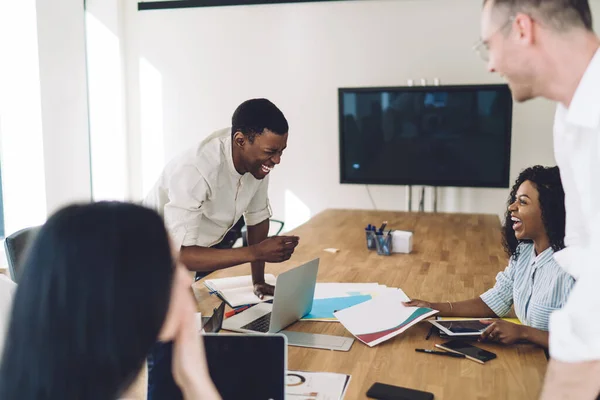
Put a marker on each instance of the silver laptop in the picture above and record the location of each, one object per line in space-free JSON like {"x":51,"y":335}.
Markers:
{"x":294,"y":292}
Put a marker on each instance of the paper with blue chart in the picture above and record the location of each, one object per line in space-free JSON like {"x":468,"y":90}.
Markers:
{"x":382,"y":318}
{"x":323,"y":309}
{"x":331,"y":297}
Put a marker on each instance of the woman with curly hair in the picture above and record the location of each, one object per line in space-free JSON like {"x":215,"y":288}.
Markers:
{"x":533,"y":282}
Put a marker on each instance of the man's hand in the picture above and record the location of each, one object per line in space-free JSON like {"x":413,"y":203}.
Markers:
{"x":276,"y":249}
{"x":263,"y":289}
{"x":417,"y":303}
{"x":501,"y":331}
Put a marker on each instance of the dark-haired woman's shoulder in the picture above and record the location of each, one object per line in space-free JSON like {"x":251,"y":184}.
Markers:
{"x":7,"y":291}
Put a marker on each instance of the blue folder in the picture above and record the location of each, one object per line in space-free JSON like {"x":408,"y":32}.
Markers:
{"x":324,"y":308}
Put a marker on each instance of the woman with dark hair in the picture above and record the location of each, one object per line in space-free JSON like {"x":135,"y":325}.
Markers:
{"x":533,"y":282}
{"x":7,"y":289}
{"x":96,"y":292}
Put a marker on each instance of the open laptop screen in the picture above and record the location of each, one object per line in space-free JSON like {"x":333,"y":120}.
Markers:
{"x":214,"y":323}
{"x":249,"y":367}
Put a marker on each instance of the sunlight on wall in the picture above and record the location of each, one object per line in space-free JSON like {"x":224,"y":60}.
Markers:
{"x":22,"y":152}
{"x":108,"y":141}
{"x":296,"y":212}
{"x":151,"y":123}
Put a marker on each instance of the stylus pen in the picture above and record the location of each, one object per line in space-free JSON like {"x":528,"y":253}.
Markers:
{"x":430,"y":332}
{"x":441,"y":353}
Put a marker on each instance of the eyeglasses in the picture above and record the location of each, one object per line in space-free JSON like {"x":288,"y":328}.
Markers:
{"x":481,"y":47}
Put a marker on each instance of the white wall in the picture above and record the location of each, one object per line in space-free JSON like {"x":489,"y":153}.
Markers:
{"x":203,"y":62}
{"x":63,"y":83}
{"x":108,"y":136}
{"x":22,"y":151}
{"x":43,"y":110}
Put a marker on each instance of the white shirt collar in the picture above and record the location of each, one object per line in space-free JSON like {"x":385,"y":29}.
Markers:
{"x":228,"y":149}
{"x":584,"y":110}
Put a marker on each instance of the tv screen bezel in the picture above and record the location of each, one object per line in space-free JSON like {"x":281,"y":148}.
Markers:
{"x":502,"y":183}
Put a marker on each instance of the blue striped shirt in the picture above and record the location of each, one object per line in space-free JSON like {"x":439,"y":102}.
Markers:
{"x":536,"y":285}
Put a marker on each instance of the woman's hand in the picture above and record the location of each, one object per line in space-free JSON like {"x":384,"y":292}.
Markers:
{"x":501,"y":331}
{"x":417,"y":303}
{"x":190,"y":369}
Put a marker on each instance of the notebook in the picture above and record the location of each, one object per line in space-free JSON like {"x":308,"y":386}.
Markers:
{"x":238,"y":290}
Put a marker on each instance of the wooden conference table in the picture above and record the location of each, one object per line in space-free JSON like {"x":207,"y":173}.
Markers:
{"x":455,"y":257}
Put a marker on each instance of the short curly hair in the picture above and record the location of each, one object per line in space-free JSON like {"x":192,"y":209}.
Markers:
{"x":552,"y":202}
{"x":253,"y":116}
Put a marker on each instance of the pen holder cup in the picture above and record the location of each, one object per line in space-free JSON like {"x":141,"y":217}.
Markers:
{"x":371,"y":239}
{"x":383,"y":244}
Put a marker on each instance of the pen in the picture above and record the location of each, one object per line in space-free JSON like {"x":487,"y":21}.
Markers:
{"x":441,"y":353}
{"x":430,"y":332}
{"x":236,"y":311}
{"x":382,"y":227}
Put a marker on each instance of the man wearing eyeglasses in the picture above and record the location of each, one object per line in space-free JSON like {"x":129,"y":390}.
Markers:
{"x":547,"y":48}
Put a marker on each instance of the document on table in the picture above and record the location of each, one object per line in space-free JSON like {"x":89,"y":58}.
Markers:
{"x":316,"y":385}
{"x":323,"y":309}
{"x":329,"y":290}
{"x":382,"y":318}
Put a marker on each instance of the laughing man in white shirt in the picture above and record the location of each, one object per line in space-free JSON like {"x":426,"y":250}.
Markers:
{"x":204,"y":192}
{"x":547,"y":48}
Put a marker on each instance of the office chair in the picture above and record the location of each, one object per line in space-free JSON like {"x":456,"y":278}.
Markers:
{"x":16,"y":246}
{"x":245,"y":230}
{"x":239,"y":230}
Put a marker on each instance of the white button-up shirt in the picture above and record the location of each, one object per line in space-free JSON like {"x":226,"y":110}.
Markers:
{"x":575,"y":330}
{"x":201,"y":195}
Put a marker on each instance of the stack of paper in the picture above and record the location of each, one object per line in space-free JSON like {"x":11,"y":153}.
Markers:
{"x":382,"y":318}
{"x":323,"y":309}
{"x":332,"y":297}
{"x":316,"y":385}
{"x":237,"y":291}
{"x":331,"y":290}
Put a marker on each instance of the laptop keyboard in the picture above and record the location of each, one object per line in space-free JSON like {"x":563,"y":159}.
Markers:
{"x":260,"y":324}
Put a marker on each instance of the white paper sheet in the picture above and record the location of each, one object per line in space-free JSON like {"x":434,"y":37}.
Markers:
{"x":316,"y":385}
{"x":382,"y":318}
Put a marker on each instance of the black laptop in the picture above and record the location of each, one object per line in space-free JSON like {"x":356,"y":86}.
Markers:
{"x":247,"y":366}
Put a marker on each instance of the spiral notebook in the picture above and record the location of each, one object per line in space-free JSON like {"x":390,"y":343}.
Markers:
{"x":238,"y":290}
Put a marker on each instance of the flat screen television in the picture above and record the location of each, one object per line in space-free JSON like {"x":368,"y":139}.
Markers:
{"x":168,"y":4}
{"x":426,"y":135}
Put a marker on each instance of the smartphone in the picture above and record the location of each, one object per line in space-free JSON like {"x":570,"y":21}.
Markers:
{"x":470,"y":351}
{"x":382,"y":391}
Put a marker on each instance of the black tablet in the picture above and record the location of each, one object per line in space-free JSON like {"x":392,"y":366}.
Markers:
{"x":460,"y":327}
